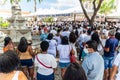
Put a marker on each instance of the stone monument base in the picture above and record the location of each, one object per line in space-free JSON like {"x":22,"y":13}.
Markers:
{"x":16,"y":34}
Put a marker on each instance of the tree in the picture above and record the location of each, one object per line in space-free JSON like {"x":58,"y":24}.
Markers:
{"x":107,"y":7}
{"x":35,"y":2}
{"x":48,"y":19}
{"x":96,"y":7}
{"x":3,"y":23}
{"x":11,"y":1}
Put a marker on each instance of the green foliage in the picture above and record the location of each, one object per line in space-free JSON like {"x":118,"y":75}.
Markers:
{"x":107,"y":7}
{"x":3,"y":24}
{"x":48,"y":19}
{"x":11,"y":1}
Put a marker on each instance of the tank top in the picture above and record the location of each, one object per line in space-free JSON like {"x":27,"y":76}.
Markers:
{"x":15,"y":77}
{"x":25,"y":55}
{"x":5,"y":49}
{"x":9,"y":47}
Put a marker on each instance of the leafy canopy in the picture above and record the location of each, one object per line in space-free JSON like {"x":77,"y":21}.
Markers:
{"x":107,"y":7}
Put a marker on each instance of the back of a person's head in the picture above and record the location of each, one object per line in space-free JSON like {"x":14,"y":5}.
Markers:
{"x":84,"y":31}
{"x":117,"y":36}
{"x":112,"y":32}
{"x":44,"y":45}
{"x":50,"y":36}
{"x":6,"y":41}
{"x":43,"y":25}
{"x":72,"y":37}
{"x":64,"y":40}
{"x":88,"y":31}
{"x":22,"y":46}
{"x":67,"y":28}
{"x":74,"y":72}
{"x":92,"y":44}
{"x":8,"y":62}
{"x":95,"y":37}
{"x":58,"y":31}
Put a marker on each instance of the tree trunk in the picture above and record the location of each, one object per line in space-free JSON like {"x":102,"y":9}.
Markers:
{"x":91,"y":23}
{"x":95,"y":7}
{"x":74,"y":17}
{"x":84,"y":11}
{"x":35,"y":17}
{"x":35,"y":5}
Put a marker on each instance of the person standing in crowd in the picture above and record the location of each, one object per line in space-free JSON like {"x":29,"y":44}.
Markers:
{"x":45,"y":63}
{"x":42,"y":29}
{"x":57,"y":37}
{"x":64,"y":54}
{"x":117,"y":36}
{"x":103,"y":38}
{"x":72,"y":39}
{"x":44,"y":35}
{"x":88,"y":37}
{"x":74,"y":72}
{"x":81,"y":40}
{"x":66,"y":32}
{"x":52,"y":45}
{"x":26,"y":55}
{"x":76,"y":32}
{"x":115,"y":74}
{"x":8,"y":44}
{"x":53,"y":31}
{"x":8,"y":64}
{"x":33,"y":30}
{"x":96,"y":38}
{"x":109,"y":53}
{"x":93,"y":63}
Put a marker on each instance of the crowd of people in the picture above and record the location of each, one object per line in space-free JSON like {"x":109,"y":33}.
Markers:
{"x":94,"y":50}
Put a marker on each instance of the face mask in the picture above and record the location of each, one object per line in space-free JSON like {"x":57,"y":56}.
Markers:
{"x":85,"y":50}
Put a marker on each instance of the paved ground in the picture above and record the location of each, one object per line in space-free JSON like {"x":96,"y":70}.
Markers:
{"x":57,"y":74}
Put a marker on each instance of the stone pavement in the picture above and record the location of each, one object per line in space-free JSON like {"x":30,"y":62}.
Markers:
{"x":58,"y":74}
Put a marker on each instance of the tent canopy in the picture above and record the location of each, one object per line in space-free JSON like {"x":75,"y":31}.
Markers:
{"x":115,"y":15}
{"x":53,"y":11}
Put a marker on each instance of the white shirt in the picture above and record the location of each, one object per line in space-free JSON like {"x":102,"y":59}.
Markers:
{"x":70,"y":28}
{"x":99,"y":47}
{"x":82,"y":38}
{"x":53,"y":32}
{"x":58,"y":38}
{"x":42,"y":31}
{"x":64,"y":52}
{"x":47,"y":60}
{"x":37,"y":28}
{"x":103,"y":41}
{"x":52,"y":47}
{"x":65,"y":33}
{"x":117,"y":63}
{"x":105,"y":32}
{"x":87,"y":38}
{"x":80,"y":30}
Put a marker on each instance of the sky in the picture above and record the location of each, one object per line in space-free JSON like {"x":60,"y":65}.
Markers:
{"x":45,"y":4}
